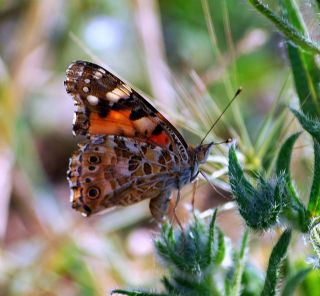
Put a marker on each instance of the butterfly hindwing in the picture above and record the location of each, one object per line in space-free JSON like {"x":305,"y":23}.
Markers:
{"x":110,"y":171}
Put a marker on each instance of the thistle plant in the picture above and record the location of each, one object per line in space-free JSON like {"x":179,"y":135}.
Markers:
{"x":194,"y":260}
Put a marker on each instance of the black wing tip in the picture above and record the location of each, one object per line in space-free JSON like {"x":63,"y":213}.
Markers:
{"x":85,"y":63}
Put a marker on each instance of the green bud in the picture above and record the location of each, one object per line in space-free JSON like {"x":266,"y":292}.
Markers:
{"x":260,"y":206}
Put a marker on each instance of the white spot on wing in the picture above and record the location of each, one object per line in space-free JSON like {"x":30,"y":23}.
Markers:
{"x":144,"y":124}
{"x":97,"y":75}
{"x":102,"y":71}
{"x":112,"y":96}
{"x":120,"y":93}
{"x":87,"y":81}
{"x":71,"y":198}
{"x":85,"y":89}
{"x":74,"y":118}
{"x":93,"y":100}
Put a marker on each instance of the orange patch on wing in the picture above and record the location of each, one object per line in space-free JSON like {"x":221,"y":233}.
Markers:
{"x":162,"y":139}
{"x":118,"y":123}
{"x":115,"y":123}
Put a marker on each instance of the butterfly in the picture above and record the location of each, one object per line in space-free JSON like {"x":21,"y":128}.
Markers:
{"x":132,"y":152}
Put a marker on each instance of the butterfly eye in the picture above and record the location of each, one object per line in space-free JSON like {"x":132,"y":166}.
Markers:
{"x":93,"y":192}
{"x":94,"y":159}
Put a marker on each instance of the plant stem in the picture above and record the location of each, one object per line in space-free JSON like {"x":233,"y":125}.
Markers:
{"x":288,"y":30}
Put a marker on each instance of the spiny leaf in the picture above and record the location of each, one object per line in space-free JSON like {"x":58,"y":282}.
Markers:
{"x":221,"y":248}
{"x":314,"y":200}
{"x":278,"y":254}
{"x":284,"y":157}
{"x":302,"y":81}
{"x":312,"y":126}
{"x":239,"y":266}
{"x":168,"y":249}
{"x":191,"y":254}
{"x":239,"y":184}
{"x":306,"y":72}
{"x":295,"y":211}
{"x":208,"y":254}
{"x":287,"y":29}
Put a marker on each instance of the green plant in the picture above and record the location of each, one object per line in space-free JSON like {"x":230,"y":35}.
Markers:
{"x":194,"y":260}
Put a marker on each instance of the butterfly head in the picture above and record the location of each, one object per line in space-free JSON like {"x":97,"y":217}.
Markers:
{"x":202,"y":152}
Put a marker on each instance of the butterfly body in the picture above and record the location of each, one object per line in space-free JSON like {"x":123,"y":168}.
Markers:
{"x":132,"y":152}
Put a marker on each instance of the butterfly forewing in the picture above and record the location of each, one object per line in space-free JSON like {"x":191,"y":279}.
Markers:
{"x":108,"y":106}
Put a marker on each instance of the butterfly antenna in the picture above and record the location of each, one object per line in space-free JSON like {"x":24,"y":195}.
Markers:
{"x":224,"y":110}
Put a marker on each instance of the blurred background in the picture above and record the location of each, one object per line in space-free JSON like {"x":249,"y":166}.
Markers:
{"x":189,"y":57}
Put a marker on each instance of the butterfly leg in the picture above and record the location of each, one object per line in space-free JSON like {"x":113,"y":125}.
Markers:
{"x":174,"y":210}
{"x":194,"y":189}
{"x":159,"y":205}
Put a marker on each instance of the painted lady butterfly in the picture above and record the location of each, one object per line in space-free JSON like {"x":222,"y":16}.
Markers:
{"x":132,"y":152}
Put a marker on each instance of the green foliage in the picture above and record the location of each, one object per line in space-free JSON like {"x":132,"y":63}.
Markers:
{"x":287,"y":28}
{"x":314,"y":201}
{"x":294,"y":280}
{"x":284,"y":157}
{"x":260,"y":207}
{"x":190,"y":258}
{"x":203,"y":252}
{"x":305,"y":70}
{"x":302,"y":52}
{"x":311,"y":282}
{"x":234,"y":280}
{"x":295,"y":210}
{"x":252,"y":280}
{"x":193,"y":259}
{"x":312,"y":126}
{"x":275,"y":262}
